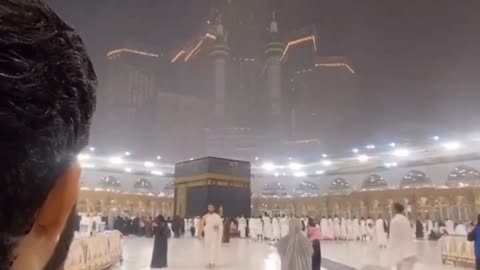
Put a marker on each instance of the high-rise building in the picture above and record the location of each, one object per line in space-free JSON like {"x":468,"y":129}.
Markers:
{"x":127,"y":100}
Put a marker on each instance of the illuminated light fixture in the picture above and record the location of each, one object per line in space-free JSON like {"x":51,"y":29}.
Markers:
{"x":295,"y":166}
{"x":269,"y":166}
{"x":355,"y":150}
{"x":92,"y":149}
{"x":116,"y":160}
{"x":127,"y":153}
{"x":160,"y":173}
{"x":297,"y":42}
{"x":125,"y":50}
{"x":452,"y":146}
{"x":148,"y":164}
{"x":326,"y":163}
{"x":401,"y":152}
{"x":159,"y":157}
{"x":83,"y":157}
{"x":336,"y":65}
{"x":128,"y":170}
{"x":277,"y":174}
{"x":319,"y":172}
{"x":392,"y":144}
{"x":324,"y":155}
{"x":390,"y":164}
{"x":257,"y":158}
{"x":363,"y":158}
{"x":87,"y":165}
{"x":191,"y":158}
{"x":300,"y":174}
{"x":180,"y":53}
{"x":436,"y":138}
{"x":370,"y":146}
{"x":290,"y":158}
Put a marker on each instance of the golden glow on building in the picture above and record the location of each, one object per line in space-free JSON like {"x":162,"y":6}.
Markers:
{"x":199,"y":44}
{"x":114,"y":53}
{"x":180,"y":53}
{"x":297,"y":42}
{"x":334,"y":65}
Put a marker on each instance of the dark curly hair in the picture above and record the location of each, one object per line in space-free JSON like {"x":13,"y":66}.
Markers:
{"x":47,"y":98}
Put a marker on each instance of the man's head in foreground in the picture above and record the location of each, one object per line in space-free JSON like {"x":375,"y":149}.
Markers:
{"x":211,"y":209}
{"x":398,"y":208}
{"x":47,"y":98}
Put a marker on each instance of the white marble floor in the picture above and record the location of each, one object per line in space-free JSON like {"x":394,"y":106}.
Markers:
{"x":187,"y":254}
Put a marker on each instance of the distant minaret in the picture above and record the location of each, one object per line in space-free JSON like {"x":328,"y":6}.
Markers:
{"x":220,"y":53}
{"x":273,"y":69}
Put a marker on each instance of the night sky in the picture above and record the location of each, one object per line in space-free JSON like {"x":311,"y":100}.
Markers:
{"x":417,"y":61}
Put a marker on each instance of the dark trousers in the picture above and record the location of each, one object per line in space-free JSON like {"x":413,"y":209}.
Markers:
{"x":317,"y":255}
{"x":477,"y":263}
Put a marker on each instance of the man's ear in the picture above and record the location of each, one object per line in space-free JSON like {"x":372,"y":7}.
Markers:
{"x":36,"y":248}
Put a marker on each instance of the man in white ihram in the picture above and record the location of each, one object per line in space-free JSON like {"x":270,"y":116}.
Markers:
{"x":213,"y":230}
{"x":401,"y":245}
{"x":242,"y":226}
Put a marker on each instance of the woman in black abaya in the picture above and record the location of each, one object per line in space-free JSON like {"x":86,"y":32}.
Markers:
{"x":160,"y":244}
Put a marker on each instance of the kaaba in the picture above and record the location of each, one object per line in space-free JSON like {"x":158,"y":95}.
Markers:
{"x":225,"y":183}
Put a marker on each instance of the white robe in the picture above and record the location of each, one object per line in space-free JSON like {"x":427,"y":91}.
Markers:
{"x":450,"y":226}
{"x":363,"y":228}
{"x":381,"y":236}
{"x":324,"y":228}
{"x":213,"y":236}
{"x":356,"y":229}
{"x":284,"y":226}
{"x":267,"y":228}
{"x":461,"y":229}
{"x":242,"y":226}
{"x":196,"y":224}
{"x":336,"y":228}
{"x":253,"y":228}
{"x":350,"y":232}
{"x":401,"y":243}
{"x":276,"y":231}
{"x":370,"y":229}
{"x":330,"y":231}
{"x":343,"y":229}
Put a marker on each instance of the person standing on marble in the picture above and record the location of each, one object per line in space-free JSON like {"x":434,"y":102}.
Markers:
{"x":343,"y":229}
{"x":419,"y":229}
{"x":267,"y":227}
{"x":381,"y":234}
{"x":242,"y":226}
{"x":276,"y":235}
{"x":356,"y":228}
{"x":160,"y":243}
{"x":450,"y":226}
{"x":315,"y":234}
{"x":295,"y":250}
{"x":284,"y":226}
{"x":196,"y":223}
{"x":363,"y":229}
{"x":213,"y":232}
{"x":370,"y":228}
{"x":474,"y":236}
{"x":401,"y":247}
{"x":323,"y":227}
{"x":330,"y":234}
{"x":336,"y":228}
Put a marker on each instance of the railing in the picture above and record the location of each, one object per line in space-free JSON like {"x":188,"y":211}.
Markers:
{"x":95,"y":252}
{"x":457,"y":250}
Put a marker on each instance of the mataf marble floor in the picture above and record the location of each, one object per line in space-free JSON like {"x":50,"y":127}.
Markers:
{"x":240,"y":254}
